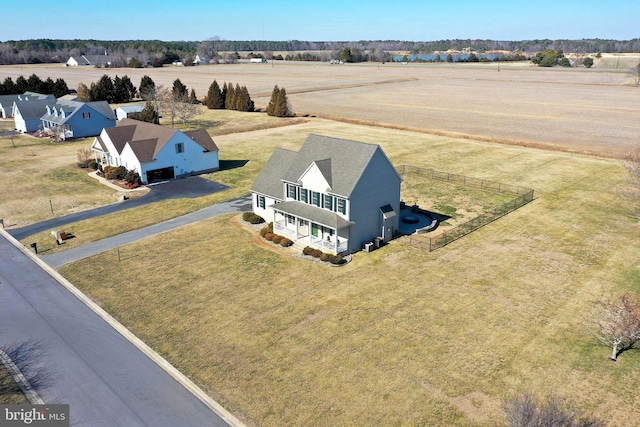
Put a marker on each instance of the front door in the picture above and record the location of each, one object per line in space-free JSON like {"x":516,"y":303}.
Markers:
{"x":314,"y":230}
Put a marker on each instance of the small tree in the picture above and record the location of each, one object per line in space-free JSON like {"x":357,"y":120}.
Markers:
{"x":147,"y":88}
{"x":525,"y":410}
{"x":214,"y":100}
{"x":179,"y":89}
{"x":279,"y":103}
{"x":83,"y":93}
{"x":84,"y":156}
{"x":587,"y":62}
{"x":616,"y":323}
{"x":148,"y":114}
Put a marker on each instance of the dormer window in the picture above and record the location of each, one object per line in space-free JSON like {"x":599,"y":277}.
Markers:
{"x":291,"y":191}
{"x":328,"y":202}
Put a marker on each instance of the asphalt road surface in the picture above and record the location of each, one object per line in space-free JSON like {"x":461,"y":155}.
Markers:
{"x":75,"y":357}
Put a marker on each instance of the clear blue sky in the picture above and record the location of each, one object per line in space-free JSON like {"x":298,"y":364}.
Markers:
{"x":329,"y":20}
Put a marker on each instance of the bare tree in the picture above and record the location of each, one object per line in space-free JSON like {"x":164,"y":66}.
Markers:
{"x":635,"y":74}
{"x":632,"y":163}
{"x":176,"y":105}
{"x":84,"y":156}
{"x":616,"y":323}
{"x":525,"y":410}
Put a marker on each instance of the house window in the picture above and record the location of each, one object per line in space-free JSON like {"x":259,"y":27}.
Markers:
{"x":180,"y":147}
{"x":260,"y":201}
{"x":328,"y":202}
{"x":304,"y":195}
{"x":291,"y":219}
{"x":342,"y":206}
{"x":291,"y":191}
{"x":315,"y":198}
{"x":86,"y":115}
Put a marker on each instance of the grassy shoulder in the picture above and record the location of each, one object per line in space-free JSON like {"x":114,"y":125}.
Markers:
{"x":399,"y":335}
{"x":10,"y":392}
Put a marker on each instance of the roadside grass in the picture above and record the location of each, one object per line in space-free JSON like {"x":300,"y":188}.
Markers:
{"x":398,"y":336}
{"x":10,"y":392}
{"x":38,"y":176}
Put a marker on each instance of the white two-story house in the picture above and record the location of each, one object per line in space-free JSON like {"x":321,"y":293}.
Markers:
{"x":337,"y":194}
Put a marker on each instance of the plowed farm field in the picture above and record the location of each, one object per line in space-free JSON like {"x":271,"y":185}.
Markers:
{"x":587,"y":111}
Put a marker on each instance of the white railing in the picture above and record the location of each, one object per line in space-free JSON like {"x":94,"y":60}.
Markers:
{"x":280,"y":228}
{"x":328,"y":245}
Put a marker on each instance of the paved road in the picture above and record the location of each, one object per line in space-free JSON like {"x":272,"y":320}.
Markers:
{"x":81,"y":359}
{"x":60,"y":258}
{"x":191,"y":187}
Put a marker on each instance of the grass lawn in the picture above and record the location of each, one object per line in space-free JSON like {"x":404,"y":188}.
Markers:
{"x":399,"y":336}
{"x":10,"y":393}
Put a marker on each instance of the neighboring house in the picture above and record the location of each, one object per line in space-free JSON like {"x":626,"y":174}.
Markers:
{"x":26,"y":114}
{"x":75,"y":119}
{"x":332,"y":193}
{"x":6,"y":102}
{"x":84,"y":60}
{"x":201,"y":59}
{"x":124,"y":111}
{"x":157,"y":153}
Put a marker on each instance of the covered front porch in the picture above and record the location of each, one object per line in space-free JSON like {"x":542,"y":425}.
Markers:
{"x":323,"y":230}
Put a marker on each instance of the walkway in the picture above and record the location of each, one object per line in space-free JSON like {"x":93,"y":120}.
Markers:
{"x":58,"y":259}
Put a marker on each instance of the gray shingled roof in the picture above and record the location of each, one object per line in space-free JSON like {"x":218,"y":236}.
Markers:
{"x":342,"y":162}
{"x":33,"y":109}
{"x":72,"y":107}
{"x":269,"y":181}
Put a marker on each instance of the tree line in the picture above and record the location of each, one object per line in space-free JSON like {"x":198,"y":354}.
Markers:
{"x":34,"y":83}
{"x":146,"y":51}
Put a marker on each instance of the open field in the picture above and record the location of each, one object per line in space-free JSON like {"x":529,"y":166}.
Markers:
{"x":399,"y":336}
{"x":577,"y":110}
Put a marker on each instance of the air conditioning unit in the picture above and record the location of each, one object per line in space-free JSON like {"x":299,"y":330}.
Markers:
{"x":368,"y":247}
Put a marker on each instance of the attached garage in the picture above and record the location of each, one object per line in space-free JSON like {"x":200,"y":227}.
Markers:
{"x":163,"y":174}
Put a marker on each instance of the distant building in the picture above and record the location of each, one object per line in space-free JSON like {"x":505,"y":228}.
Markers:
{"x":6,"y":102}
{"x":73,"y":119}
{"x":124,"y":111}
{"x":94,"y":60}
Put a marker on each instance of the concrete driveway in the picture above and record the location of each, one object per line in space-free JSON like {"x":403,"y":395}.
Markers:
{"x":190,"y":187}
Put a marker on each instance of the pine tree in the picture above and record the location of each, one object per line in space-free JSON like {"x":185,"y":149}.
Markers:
{"x":215,"y":100}
{"x":148,"y":114}
{"x":272,"y":102}
{"x":230,"y":98}
{"x":238,"y":98}
{"x":192,"y":97}
{"x":281,"y":104}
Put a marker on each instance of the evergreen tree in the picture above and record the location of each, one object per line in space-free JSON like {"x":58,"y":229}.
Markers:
{"x":103,"y":90}
{"x":237,"y":98}
{"x":148,"y":114}
{"x":147,"y":87}
{"x":271,"y":107}
{"x":60,"y":88}
{"x":8,"y":87}
{"x":34,"y":84}
{"x":192,"y":97}
{"x":179,"y":89}
{"x":225,"y":90}
{"x":230,"y":98}
{"x":279,"y":103}
{"x":215,"y":100}
{"x":21,"y":85}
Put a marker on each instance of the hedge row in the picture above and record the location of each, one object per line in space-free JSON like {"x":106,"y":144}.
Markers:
{"x":326,"y":257}
{"x":268,"y":234}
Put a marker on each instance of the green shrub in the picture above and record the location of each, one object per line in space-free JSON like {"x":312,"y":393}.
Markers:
{"x":269,"y":236}
{"x":285,"y":243}
{"x":116,"y":173}
{"x":307,"y":250}
{"x":316,"y":253}
{"x":252,"y":218}
{"x":276,"y":239}
{"x":337,"y":259}
{"x":93,"y":165}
